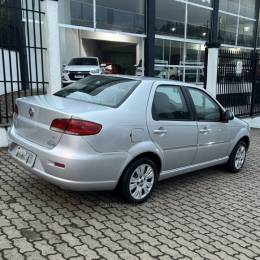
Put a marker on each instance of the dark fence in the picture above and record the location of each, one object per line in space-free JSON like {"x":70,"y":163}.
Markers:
{"x":238,"y":87}
{"x":22,"y":55}
{"x":255,"y":108}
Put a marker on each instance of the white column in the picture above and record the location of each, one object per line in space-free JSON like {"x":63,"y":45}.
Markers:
{"x":212,"y":71}
{"x":140,"y":52}
{"x":3,"y":137}
{"x":51,"y":34}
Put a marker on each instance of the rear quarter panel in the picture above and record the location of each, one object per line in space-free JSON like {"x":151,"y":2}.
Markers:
{"x":122,"y":127}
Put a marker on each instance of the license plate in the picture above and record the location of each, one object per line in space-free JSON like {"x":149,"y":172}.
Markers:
{"x":79,"y":76}
{"x":25,"y":156}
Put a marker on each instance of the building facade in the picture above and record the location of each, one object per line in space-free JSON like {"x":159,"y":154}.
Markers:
{"x":161,"y":38}
{"x":116,"y":31}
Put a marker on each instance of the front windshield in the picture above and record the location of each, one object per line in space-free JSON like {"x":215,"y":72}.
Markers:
{"x":84,"y":61}
{"x":101,"y":90}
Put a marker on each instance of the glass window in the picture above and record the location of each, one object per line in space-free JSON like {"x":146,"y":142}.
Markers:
{"x":176,"y":53}
{"x":161,"y":72}
{"x":230,"y":6}
{"x":194,"y":54}
{"x":203,"y":2}
{"x":169,"y":104}
{"x":258,"y":35}
{"x":126,"y":16}
{"x":170,"y":18}
{"x":194,"y":75}
{"x":105,"y":91}
{"x":169,"y":72}
{"x":227,"y":28}
{"x":176,"y":73}
{"x":168,"y":59}
{"x":245,"y":32}
{"x":159,"y":51}
{"x":198,"y":23}
{"x":76,"y":12}
{"x":168,"y":52}
{"x":247,"y":8}
{"x":206,"y":108}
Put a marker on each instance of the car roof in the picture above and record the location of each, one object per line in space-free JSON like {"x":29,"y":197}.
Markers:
{"x":179,"y":83}
{"x":153,"y":79}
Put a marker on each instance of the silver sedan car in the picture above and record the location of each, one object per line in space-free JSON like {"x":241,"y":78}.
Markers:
{"x":107,"y":132}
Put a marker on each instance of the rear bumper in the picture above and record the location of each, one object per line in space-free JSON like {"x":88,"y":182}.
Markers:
{"x":85,"y":169}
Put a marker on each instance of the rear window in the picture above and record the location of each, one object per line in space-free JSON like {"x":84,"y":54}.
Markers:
{"x":101,"y":90}
{"x":84,"y":61}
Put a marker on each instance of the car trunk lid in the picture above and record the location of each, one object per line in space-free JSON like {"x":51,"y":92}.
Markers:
{"x":37,"y":113}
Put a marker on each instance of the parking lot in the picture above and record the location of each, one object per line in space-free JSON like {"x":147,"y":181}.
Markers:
{"x":210,"y":214}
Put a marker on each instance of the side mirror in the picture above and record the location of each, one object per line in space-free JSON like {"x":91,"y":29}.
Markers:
{"x":228,"y":115}
{"x":64,"y":65}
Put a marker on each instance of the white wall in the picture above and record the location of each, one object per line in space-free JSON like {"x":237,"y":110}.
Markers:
{"x":71,"y":42}
{"x":3,"y":137}
{"x":7,"y":62}
{"x":90,"y":48}
{"x":15,"y":65}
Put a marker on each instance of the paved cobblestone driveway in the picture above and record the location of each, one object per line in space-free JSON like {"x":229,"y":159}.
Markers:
{"x":210,"y":214}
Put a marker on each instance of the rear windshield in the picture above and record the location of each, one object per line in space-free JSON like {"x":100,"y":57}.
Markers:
{"x":83,"y":61}
{"x":101,"y":90}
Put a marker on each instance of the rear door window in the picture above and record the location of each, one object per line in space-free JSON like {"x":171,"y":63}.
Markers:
{"x":169,"y":104}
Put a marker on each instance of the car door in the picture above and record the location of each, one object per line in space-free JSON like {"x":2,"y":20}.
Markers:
{"x":171,"y":125}
{"x":213,"y":134}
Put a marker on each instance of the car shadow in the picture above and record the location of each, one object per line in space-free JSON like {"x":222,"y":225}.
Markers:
{"x":166,"y":188}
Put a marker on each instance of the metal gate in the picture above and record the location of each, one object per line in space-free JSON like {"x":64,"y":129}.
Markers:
{"x":238,"y":81}
{"x":22,"y":55}
{"x":255,"y":107}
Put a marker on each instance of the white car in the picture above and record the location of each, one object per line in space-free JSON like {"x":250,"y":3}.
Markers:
{"x":79,"y":68}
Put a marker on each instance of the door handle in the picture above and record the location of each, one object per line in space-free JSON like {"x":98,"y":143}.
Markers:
{"x":160,"y":131}
{"x":205,"y":130}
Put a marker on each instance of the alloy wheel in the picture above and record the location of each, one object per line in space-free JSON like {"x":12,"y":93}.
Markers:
{"x":141,"y":181}
{"x":240,"y":157}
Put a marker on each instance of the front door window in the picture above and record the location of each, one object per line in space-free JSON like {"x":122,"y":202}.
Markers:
{"x":206,"y":108}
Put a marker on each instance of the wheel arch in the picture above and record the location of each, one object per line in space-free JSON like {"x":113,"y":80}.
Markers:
{"x":243,"y":135}
{"x":148,"y":154}
{"x":246,"y":140}
{"x":151,"y":155}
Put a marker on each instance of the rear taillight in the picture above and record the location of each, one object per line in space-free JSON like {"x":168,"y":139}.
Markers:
{"x":16,"y":111}
{"x":75,"y":127}
{"x":59,"y":125}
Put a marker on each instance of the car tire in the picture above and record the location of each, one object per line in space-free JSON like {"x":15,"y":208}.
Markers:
{"x":237,"y":158}
{"x":139,"y":180}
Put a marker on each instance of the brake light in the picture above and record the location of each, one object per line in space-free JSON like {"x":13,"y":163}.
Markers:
{"x":59,"y":125}
{"x":75,"y":127}
{"x":16,"y":111}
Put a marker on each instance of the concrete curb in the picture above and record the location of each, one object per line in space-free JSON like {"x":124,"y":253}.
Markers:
{"x":3,"y":137}
{"x":254,"y":122}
